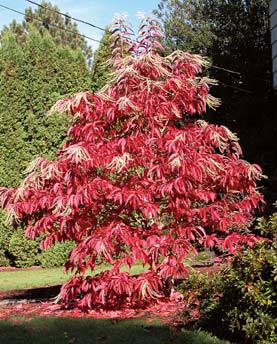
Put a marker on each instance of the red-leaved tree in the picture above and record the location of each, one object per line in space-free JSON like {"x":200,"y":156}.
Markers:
{"x":141,"y":178}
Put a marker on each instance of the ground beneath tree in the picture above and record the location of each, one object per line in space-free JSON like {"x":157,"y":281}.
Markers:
{"x":30,"y":308}
{"x":41,"y":302}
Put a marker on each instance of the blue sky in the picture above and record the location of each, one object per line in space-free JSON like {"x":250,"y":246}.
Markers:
{"x":98,"y":12}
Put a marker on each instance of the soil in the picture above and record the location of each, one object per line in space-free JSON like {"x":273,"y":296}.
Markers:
{"x":13,"y":268}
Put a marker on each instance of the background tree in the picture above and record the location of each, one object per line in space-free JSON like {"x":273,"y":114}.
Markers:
{"x":102,"y":65}
{"x":230,"y":33}
{"x":141,"y":177}
{"x":186,"y":26}
{"x":48,"y":15}
{"x":32,"y":76}
{"x":235,"y":36}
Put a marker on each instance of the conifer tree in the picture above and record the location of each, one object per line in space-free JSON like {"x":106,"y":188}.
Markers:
{"x":46,"y":18}
{"x":102,"y":64}
{"x":32,"y":77}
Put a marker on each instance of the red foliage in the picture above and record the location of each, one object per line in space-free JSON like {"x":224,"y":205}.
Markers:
{"x":140,"y":178}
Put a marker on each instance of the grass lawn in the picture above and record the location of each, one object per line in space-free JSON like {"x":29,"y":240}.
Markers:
{"x":96,"y":331}
{"x":56,"y":330}
{"x":26,"y":279}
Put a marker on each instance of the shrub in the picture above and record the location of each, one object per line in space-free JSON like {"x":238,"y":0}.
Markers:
{"x":4,"y":261}
{"x":249,"y":297}
{"x":6,"y":232}
{"x":202,"y":294}
{"x":267,"y":227}
{"x":242,"y":298}
{"x":24,"y":251}
{"x":56,"y":255}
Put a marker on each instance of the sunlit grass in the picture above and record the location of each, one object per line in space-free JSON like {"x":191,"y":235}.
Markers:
{"x":26,"y":279}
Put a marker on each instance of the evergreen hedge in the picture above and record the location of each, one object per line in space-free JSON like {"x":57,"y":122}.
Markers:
{"x":33,"y":76}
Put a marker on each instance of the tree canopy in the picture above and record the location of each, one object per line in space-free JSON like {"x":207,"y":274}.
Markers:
{"x":141,"y":178}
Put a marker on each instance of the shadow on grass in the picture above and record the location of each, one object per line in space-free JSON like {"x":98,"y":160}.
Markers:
{"x":38,"y":294}
{"x":96,"y":331}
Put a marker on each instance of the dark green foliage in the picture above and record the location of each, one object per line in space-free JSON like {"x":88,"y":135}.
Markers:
{"x":235,"y":35}
{"x":4,"y":261}
{"x":24,"y":251}
{"x":267,"y":227}
{"x":186,"y":26}
{"x":6,"y":232}
{"x":242,"y":298}
{"x":38,"y":65}
{"x":56,"y":255}
{"x":201,"y":292}
{"x":32,"y":77}
{"x":249,"y":300}
{"x":102,"y":67}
